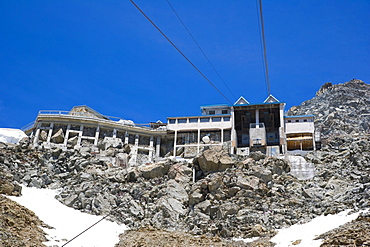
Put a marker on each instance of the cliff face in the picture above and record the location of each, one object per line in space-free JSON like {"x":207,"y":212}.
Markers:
{"x":339,"y":109}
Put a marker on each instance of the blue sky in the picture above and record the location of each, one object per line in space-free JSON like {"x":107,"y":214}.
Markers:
{"x":105,"y":54}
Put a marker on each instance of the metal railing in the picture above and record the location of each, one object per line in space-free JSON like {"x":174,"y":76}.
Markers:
{"x":89,"y":116}
{"x":28,"y":126}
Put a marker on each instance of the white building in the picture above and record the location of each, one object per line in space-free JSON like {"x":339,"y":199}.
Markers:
{"x":241,"y":128}
{"x":244,"y":127}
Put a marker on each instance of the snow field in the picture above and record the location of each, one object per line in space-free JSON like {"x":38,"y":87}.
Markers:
{"x":68,"y":222}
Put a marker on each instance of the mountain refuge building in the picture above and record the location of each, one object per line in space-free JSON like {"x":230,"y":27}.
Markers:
{"x":240,"y":128}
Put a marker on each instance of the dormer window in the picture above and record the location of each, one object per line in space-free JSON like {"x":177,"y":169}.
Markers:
{"x":224,"y":112}
{"x":211,"y":112}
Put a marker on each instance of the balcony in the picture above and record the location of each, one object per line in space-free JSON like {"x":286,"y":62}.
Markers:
{"x":199,"y":122}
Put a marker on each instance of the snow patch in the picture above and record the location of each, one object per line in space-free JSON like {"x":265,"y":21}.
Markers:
{"x":11,"y":135}
{"x":68,"y":222}
{"x":306,"y":233}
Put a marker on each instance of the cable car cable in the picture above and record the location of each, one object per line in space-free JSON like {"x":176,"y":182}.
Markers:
{"x":187,"y":59}
{"x":201,"y":50}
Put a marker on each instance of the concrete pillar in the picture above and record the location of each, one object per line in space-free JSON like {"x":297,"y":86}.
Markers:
{"x":198,"y":144}
{"x":114,"y":133}
{"x":158,"y":147}
{"x":137,"y":140}
{"x":222,"y":136}
{"x":174,"y":144}
{"x":126,"y":137}
{"x":233,"y":132}
{"x":37,"y":134}
{"x":80,"y":136}
{"x":257,"y":118}
{"x":134,"y":151}
{"x":282,"y":106}
{"x":97,"y":133}
{"x":151,"y":146}
{"x":234,"y":141}
{"x":67,"y":135}
{"x":313,"y":141}
{"x":50,"y":132}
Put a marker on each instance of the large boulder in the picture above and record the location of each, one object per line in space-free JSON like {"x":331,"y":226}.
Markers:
{"x":154,"y":170}
{"x":215,"y":159}
{"x":180,"y":172}
{"x":58,"y":137}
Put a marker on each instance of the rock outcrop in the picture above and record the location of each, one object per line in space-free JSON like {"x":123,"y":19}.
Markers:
{"x":341,"y":109}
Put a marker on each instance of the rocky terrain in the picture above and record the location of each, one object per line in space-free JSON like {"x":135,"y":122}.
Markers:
{"x":232,"y":197}
{"x":341,"y":109}
{"x":355,"y":233}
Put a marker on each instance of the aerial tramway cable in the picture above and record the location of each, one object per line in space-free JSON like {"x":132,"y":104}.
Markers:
{"x":201,"y":50}
{"x":263,"y":40}
{"x":187,"y":59}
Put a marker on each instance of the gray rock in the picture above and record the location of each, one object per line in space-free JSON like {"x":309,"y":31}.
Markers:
{"x":195,"y":197}
{"x":215,"y":159}
{"x":262,"y":173}
{"x":180,"y":172}
{"x":58,"y":137}
{"x":176,"y":191}
{"x":154,"y":170}
{"x":247,"y":182}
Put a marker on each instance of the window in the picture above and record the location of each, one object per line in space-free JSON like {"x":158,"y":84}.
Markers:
{"x":289,"y":121}
{"x":305,"y":120}
{"x":193,"y":120}
{"x":204,"y":120}
{"x":172,"y":121}
{"x":216,"y":119}
{"x":226,"y":119}
{"x":297,"y":120}
{"x":225,"y":112}
{"x":182,"y":120}
{"x":211,"y":112}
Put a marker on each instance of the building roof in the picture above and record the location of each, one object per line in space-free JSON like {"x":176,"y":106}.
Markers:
{"x":271,"y":99}
{"x":215,"y":106}
{"x":299,"y":116}
{"x":242,"y":101}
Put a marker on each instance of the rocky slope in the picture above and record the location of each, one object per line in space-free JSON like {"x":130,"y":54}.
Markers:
{"x":247,"y":196}
{"x":355,"y":233}
{"x":341,"y":109}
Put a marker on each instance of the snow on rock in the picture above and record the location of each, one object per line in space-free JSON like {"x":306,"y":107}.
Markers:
{"x":68,"y":222}
{"x":306,"y":233}
{"x":11,"y":135}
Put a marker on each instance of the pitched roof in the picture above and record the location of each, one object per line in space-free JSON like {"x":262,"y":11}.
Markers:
{"x":271,"y":99}
{"x":241,"y":101}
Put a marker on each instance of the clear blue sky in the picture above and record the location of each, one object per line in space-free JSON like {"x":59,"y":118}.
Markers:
{"x":105,"y":54}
